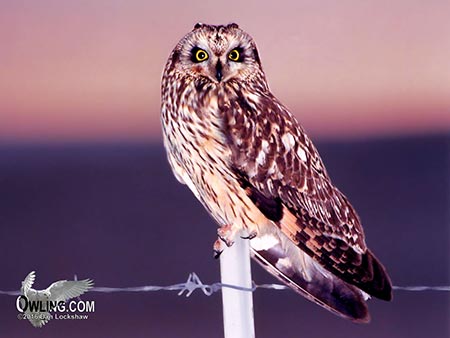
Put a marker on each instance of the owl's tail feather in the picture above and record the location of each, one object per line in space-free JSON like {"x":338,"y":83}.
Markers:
{"x":313,"y":282}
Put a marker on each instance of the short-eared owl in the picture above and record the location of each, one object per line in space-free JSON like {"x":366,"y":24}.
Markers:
{"x":250,"y":163}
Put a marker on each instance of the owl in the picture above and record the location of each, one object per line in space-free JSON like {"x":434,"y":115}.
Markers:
{"x":251,"y":165}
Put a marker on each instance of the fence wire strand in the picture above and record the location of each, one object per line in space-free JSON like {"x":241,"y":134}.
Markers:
{"x":194,"y":283}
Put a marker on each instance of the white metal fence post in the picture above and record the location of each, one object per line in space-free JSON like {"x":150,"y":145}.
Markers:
{"x":237,"y":304}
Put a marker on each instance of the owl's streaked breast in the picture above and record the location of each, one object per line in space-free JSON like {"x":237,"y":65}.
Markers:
{"x":200,"y":157}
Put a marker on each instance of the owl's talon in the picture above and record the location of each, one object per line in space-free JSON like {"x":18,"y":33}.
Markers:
{"x":217,"y":254}
{"x":251,"y":235}
{"x":218,"y":248}
{"x":226,"y":233}
{"x":228,"y":242}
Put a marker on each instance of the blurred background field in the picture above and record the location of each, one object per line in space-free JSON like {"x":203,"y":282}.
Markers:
{"x":116,"y":214}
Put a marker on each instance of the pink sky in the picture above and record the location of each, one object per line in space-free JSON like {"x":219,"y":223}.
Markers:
{"x":74,"y":70}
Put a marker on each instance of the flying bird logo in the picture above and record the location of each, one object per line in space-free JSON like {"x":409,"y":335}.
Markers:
{"x":36,"y":305}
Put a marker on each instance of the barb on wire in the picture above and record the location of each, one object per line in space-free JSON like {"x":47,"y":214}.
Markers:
{"x":194,"y":283}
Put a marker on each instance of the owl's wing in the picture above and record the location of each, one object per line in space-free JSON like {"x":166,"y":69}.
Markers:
{"x":283,"y":174}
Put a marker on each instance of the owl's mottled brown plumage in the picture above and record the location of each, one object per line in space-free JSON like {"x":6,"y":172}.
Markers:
{"x":252,"y":166}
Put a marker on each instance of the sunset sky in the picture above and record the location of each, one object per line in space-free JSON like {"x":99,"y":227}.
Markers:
{"x":90,"y":70}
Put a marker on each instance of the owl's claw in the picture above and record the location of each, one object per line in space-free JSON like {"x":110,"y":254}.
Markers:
{"x":226,"y":233}
{"x":251,"y":235}
{"x":217,"y":248}
{"x":227,"y":241}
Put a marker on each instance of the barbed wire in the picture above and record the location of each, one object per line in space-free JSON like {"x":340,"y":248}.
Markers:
{"x":194,"y":283}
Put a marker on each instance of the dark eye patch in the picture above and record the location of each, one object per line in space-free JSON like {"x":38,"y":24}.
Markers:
{"x":240,"y":52}
{"x":197,"y":52}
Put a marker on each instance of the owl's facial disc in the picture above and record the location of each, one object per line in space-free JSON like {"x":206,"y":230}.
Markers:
{"x":220,"y":54}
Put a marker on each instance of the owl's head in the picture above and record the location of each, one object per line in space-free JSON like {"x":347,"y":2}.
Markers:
{"x":217,"y":54}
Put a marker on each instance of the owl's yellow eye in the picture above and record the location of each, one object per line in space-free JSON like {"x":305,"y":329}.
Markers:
{"x":234,"y":55}
{"x":200,"y":55}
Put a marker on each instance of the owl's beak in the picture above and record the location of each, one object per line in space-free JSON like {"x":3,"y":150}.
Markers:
{"x":219,"y":74}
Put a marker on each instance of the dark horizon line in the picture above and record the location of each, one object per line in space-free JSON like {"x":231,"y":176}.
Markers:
{"x":74,"y":142}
